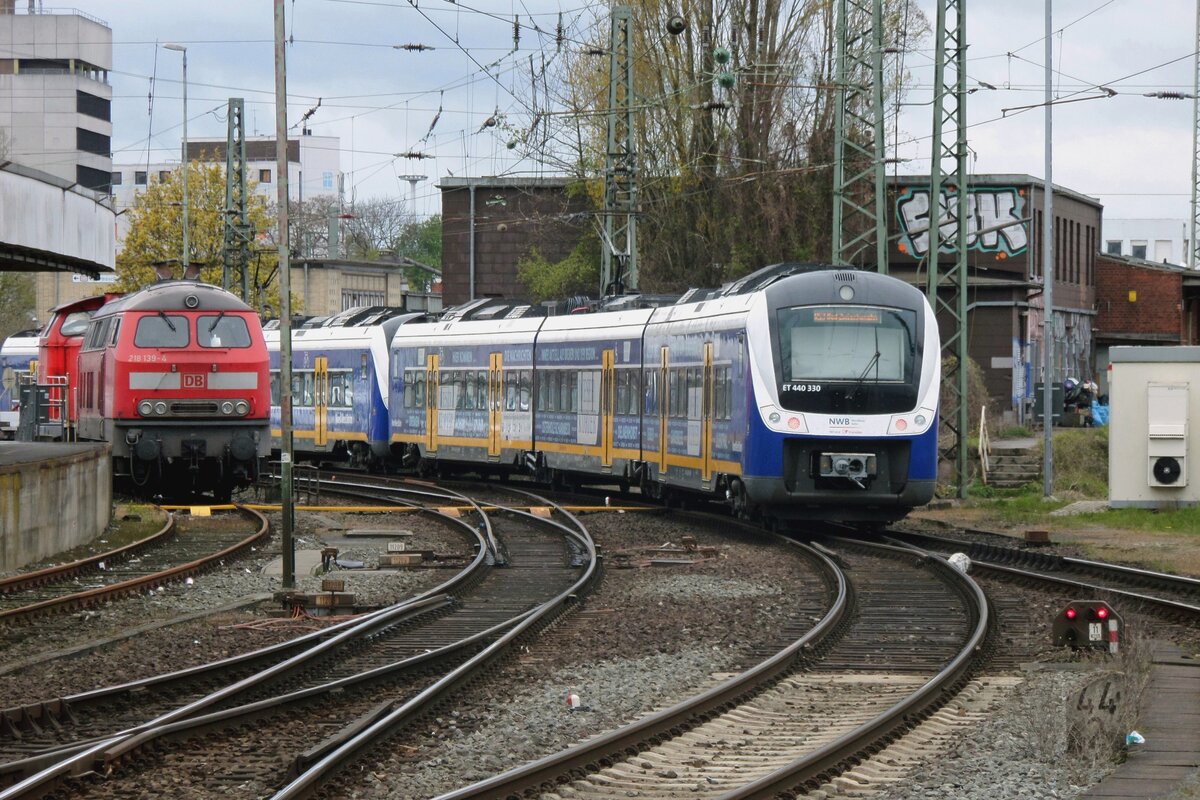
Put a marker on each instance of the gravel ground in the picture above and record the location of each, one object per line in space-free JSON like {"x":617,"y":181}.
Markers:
{"x":648,"y":638}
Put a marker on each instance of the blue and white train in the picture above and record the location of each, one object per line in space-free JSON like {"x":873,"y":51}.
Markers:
{"x":339,"y":385}
{"x":16,"y":354}
{"x":796,"y":392}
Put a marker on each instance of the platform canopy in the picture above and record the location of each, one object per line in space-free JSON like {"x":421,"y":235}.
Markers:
{"x":48,"y":224}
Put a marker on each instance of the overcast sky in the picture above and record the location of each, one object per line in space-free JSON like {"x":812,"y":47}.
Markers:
{"x":1132,"y":152}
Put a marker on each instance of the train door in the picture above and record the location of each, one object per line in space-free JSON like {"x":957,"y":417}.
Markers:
{"x":664,"y":405}
{"x":321,"y":401}
{"x":608,"y":383}
{"x":495,"y":403}
{"x":431,"y":403}
{"x":706,"y":416}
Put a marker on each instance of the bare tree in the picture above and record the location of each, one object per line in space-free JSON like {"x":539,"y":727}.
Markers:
{"x":734,"y":129}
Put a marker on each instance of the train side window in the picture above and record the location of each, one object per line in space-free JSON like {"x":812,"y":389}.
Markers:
{"x":566,"y":397}
{"x":308,"y":389}
{"x":622,"y":390}
{"x":335,"y":389}
{"x":556,"y":388}
{"x":673,"y":393}
{"x":481,"y":390}
{"x":162,"y":330}
{"x":274,"y":388}
{"x":76,"y":323}
{"x":650,"y":403}
{"x":728,"y":393}
{"x":418,"y":389}
{"x":541,"y":390}
{"x":510,"y":391}
{"x":94,"y":334}
{"x":116,"y":331}
{"x":409,"y":391}
{"x":525,"y":389}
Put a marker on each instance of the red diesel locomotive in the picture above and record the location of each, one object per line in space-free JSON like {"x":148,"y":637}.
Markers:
{"x":175,"y":378}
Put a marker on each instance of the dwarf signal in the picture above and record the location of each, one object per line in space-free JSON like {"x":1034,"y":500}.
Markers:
{"x":1088,"y":623}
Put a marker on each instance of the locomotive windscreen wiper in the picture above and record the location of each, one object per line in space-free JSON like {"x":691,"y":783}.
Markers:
{"x":167,"y":320}
{"x":216,"y":319}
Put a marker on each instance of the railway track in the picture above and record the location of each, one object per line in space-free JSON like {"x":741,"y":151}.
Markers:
{"x":1174,"y":597}
{"x":898,"y":641}
{"x":181,"y":549}
{"x":383,"y":671}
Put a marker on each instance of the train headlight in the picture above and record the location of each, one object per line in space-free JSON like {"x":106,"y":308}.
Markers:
{"x":242,"y":408}
{"x":920,"y":419}
{"x":227,"y":408}
{"x":160,"y":408}
{"x":145,"y":408}
{"x":846,"y":292}
{"x":774,"y":418}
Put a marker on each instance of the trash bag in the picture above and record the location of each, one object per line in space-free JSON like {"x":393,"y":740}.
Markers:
{"x":1099,"y":413}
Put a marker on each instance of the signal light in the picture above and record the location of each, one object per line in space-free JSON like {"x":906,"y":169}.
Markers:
{"x":1088,"y":624}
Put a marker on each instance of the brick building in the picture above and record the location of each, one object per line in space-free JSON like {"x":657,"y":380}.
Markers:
{"x":1004,"y":267}
{"x":489,"y":224}
{"x":1138,"y":302}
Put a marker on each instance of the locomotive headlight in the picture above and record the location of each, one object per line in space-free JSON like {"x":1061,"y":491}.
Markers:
{"x":920,"y":419}
{"x":145,"y":408}
{"x":160,"y":408}
{"x":227,"y":407}
{"x":242,"y":408}
{"x":774,"y":416}
{"x":846,"y":292}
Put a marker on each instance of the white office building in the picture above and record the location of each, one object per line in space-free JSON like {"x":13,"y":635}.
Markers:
{"x":314,"y":170}
{"x":1163,"y":241}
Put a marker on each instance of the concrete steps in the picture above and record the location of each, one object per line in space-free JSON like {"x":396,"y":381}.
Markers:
{"x":1013,"y":467}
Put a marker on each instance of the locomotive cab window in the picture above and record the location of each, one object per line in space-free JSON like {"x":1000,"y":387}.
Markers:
{"x":162,"y":330}
{"x":76,"y":323}
{"x":219,"y":330}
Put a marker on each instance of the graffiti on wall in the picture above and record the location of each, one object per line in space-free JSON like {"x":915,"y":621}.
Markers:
{"x":987,"y":209}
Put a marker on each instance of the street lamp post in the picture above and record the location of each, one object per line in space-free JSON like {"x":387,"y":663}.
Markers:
{"x":180,"y":48}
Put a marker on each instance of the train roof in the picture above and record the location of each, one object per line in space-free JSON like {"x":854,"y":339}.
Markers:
{"x":175,"y":296}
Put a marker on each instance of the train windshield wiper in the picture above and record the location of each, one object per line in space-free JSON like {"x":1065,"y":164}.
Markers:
{"x":216,"y":319}
{"x":167,"y":320}
{"x":874,"y":362}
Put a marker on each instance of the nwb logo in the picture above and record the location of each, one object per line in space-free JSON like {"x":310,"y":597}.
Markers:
{"x":839,"y":421}
{"x":194,"y":380}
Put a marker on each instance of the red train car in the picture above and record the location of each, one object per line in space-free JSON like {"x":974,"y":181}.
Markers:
{"x":175,"y":378}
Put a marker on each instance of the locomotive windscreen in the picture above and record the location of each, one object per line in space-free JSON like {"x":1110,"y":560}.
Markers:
{"x":846,"y":343}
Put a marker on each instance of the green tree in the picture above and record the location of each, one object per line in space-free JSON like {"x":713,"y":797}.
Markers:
{"x":155,"y":234}
{"x":422,"y":241}
{"x":17,"y":299}
{"x":578,"y":273}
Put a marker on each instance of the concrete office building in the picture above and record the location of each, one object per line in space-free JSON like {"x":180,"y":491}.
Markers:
{"x":55,"y":99}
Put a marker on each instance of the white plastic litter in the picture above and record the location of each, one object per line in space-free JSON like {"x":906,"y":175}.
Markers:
{"x":960,"y":562}
{"x":1135,"y":738}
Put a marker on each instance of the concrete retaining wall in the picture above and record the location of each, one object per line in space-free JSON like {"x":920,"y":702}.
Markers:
{"x":53,"y":503}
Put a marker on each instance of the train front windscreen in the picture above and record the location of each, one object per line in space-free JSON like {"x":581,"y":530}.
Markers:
{"x":847,"y":358}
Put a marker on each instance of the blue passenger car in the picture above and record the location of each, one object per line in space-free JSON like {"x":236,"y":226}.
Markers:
{"x":16,"y":354}
{"x":339,"y":385}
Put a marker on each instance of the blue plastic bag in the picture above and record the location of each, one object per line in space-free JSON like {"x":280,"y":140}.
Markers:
{"x":1099,"y":414}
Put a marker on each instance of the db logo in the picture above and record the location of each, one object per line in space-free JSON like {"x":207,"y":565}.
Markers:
{"x":193,"y":380}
